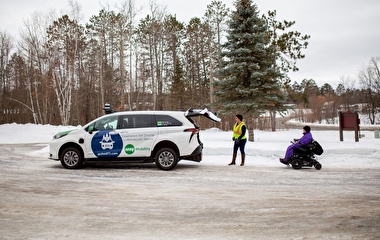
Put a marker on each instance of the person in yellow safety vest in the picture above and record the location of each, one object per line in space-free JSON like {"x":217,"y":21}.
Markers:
{"x":240,"y":139}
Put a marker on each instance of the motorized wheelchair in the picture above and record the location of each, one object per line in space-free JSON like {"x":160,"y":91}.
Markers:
{"x":304,"y":156}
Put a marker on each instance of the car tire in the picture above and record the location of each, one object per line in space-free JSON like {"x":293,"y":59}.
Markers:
{"x":166,"y":159}
{"x":71,"y":158}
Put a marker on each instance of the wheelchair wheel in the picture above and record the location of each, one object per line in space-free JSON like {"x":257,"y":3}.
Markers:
{"x":318,"y":166}
{"x":297,"y":163}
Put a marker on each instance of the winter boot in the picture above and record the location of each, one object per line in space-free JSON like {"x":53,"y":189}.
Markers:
{"x":233,"y":159}
{"x":242,"y":160}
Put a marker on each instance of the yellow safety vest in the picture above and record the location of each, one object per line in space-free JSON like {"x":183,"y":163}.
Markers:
{"x":237,"y":130}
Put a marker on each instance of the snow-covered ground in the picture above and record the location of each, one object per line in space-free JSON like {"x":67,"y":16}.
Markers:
{"x":265,"y":150}
{"x":39,"y":199}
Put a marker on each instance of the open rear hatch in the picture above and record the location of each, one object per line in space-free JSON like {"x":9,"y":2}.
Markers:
{"x":202,"y":112}
{"x":199,"y":112}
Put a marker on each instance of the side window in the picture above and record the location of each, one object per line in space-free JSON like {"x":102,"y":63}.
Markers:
{"x":126,"y":122}
{"x":107,"y":123}
{"x":167,"y":121}
{"x":137,"y":121}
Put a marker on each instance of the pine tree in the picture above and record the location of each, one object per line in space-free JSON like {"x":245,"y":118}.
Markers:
{"x":177,"y":90}
{"x":250,"y":81}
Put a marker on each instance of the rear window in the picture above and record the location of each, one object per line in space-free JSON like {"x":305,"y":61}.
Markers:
{"x":167,"y":121}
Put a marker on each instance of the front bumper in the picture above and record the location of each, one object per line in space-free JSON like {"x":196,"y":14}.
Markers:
{"x":54,"y":150}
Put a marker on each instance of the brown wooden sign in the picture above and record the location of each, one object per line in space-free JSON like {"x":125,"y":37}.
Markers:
{"x":349,"y":121}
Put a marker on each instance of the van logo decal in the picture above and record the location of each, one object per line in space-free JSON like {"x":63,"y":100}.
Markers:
{"x":129,"y":149}
{"x":106,"y":144}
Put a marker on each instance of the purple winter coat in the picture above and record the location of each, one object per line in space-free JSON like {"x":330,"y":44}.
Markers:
{"x":304,"y":140}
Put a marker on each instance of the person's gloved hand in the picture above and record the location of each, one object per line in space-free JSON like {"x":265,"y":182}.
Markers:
{"x":233,"y":139}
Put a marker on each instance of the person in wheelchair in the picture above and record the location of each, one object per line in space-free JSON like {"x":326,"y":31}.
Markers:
{"x":306,"y":139}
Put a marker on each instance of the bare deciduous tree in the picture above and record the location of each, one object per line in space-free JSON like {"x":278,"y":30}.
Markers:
{"x":369,"y":78}
{"x":66,"y":43}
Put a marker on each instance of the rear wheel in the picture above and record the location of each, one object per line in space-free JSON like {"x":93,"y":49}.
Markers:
{"x":166,"y":159}
{"x":318,"y":166}
{"x":71,"y":158}
{"x":297,"y":163}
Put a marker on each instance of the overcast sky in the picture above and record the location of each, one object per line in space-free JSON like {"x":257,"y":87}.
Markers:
{"x":345,"y":34}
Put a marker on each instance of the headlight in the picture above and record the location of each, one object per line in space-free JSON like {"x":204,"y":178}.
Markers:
{"x":61,"y":134}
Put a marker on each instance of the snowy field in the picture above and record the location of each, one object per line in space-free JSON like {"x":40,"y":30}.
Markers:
{"x":266,"y":149}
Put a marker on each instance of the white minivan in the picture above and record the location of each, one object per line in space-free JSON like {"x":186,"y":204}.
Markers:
{"x":163,"y":137}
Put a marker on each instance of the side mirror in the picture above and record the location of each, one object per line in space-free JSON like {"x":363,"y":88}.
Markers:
{"x":90,"y":129}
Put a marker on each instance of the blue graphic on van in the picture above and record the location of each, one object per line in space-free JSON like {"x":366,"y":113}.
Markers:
{"x":106,"y":144}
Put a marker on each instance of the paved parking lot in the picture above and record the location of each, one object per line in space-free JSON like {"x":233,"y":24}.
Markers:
{"x":41,"y":200}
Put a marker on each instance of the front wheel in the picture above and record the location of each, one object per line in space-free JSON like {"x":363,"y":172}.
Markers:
{"x":166,"y":159}
{"x":71,"y":158}
{"x":297,"y":163}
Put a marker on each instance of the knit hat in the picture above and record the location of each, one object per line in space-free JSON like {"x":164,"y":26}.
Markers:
{"x":240,"y":117}
{"x":307,"y":128}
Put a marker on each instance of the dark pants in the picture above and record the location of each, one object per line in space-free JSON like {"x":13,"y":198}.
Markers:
{"x":240,"y":145}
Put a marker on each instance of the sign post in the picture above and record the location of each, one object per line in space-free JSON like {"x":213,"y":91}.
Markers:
{"x":349,"y":121}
